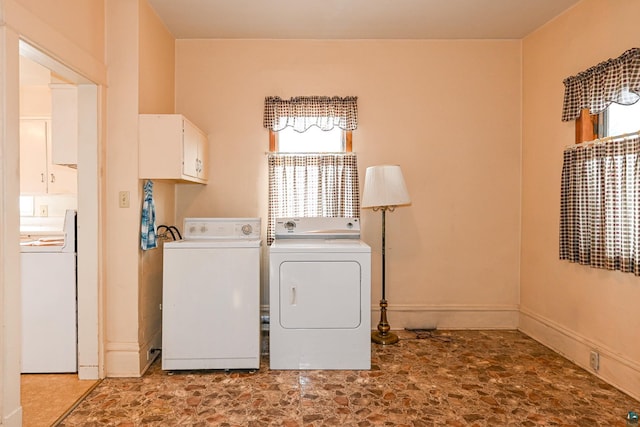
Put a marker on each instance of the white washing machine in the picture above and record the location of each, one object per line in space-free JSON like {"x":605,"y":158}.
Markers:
{"x":211,"y":296}
{"x":319,"y":295}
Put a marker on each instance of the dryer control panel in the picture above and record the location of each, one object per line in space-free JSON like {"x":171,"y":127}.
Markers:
{"x":318,"y":227}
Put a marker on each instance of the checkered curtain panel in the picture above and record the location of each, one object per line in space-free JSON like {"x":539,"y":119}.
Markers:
{"x":302,"y":112}
{"x":600,"y":204}
{"x":310,"y":185}
{"x":615,"y":80}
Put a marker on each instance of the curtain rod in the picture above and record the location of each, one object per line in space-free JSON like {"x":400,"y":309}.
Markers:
{"x":605,"y":139}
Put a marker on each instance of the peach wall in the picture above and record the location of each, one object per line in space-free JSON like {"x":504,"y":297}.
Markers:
{"x":156,"y":95}
{"x":157,"y":64}
{"x":447,"y":111}
{"x":573,"y":309}
{"x":78,"y":20}
{"x":122,"y":237}
{"x":134,"y":277}
{"x":70,"y":31}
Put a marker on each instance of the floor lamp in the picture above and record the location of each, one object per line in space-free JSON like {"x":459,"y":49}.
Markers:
{"x":384,"y":189}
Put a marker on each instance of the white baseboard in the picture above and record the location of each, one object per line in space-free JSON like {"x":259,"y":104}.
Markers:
{"x":88,"y":373}
{"x":14,"y":419}
{"x":615,"y":369}
{"x":146,"y":359}
{"x":122,"y":359}
{"x":468,"y":316}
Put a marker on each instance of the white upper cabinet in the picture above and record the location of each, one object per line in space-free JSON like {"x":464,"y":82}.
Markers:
{"x":172,"y":148}
{"x":64,"y":124}
{"x":38,"y":174}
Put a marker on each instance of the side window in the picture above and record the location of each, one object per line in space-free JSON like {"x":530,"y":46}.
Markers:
{"x":599,"y":203}
{"x":312,"y":171}
{"x":614,"y":121}
{"x":314,"y":140}
{"x":620,"y":119}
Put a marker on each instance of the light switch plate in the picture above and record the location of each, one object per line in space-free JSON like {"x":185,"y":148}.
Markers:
{"x":123,"y":198}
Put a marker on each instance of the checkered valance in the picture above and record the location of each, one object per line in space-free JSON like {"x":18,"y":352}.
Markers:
{"x":303,"y":112}
{"x":615,"y":80}
{"x":600,"y":204}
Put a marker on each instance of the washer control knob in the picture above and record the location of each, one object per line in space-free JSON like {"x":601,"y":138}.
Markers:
{"x":247,"y":229}
{"x":349,"y":225}
{"x":290,"y":225}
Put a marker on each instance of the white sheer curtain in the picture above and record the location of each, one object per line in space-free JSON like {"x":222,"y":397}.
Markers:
{"x":309,"y":185}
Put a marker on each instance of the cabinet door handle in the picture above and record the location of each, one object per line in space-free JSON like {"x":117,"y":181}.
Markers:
{"x":42,"y":177}
{"x":53,"y":178}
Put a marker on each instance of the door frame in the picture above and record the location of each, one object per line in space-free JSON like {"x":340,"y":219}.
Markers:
{"x":88,"y":265}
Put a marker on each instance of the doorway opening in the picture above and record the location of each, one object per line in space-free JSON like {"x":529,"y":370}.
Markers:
{"x":50,"y":94}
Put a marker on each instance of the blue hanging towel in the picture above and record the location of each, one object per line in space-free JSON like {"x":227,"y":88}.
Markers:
{"x":148,"y":230}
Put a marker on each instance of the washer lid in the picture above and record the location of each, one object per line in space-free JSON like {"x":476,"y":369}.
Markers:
{"x":213,"y":243}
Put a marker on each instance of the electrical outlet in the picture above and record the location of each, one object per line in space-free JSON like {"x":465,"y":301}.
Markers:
{"x":43,"y":211}
{"x":594,"y":360}
{"x":123,"y":198}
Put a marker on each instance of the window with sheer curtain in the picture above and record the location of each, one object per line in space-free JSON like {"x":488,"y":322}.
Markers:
{"x":600,"y":199}
{"x":317,"y":181}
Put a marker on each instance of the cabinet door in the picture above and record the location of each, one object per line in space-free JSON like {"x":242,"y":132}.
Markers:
{"x":37,"y":172}
{"x":61,"y":179}
{"x":64,"y":124}
{"x":190,"y":141}
{"x":203,"y":156}
{"x":33,"y":156}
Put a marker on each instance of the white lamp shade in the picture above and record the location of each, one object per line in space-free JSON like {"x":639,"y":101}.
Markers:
{"x":384,"y":186}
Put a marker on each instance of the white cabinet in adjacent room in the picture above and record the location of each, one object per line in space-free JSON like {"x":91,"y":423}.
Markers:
{"x":172,"y":148}
{"x":38,"y":173}
{"x":64,"y":124}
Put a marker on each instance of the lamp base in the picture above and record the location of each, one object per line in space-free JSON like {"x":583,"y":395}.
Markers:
{"x":382,"y":335}
{"x":386,"y":339}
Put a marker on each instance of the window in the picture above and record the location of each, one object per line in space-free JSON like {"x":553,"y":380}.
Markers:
{"x":620,"y":119}
{"x":313,"y":140}
{"x":590,"y":92}
{"x":312,"y":171}
{"x":600,"y":204}
{"x":616,"y":120}
{"x":600,"y":189}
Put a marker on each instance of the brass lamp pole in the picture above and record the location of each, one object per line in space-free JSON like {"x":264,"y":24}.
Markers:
{"x":384,"y":189}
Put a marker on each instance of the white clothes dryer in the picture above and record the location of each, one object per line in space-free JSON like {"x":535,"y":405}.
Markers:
{"x":320,"y":295}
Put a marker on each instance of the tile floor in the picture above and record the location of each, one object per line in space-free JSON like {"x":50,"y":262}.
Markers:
{"x":445,"y":378}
